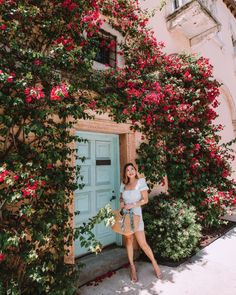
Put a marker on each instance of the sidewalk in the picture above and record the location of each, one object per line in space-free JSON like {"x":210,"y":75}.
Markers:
{"x":212,"y":271}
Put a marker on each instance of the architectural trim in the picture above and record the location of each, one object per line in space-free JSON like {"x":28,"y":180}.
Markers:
{"x":229,"y":99}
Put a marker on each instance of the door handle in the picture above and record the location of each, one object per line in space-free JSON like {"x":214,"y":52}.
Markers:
{"x":112,"y":198}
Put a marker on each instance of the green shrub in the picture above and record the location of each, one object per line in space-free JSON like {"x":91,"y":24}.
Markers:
{"x":171,"y":228}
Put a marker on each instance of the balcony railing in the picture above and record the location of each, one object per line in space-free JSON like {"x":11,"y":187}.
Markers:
{"x":210,"y":5}
{"x":194,"y":18}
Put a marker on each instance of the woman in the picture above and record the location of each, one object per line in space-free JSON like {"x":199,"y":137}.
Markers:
{"x":134,"y":194}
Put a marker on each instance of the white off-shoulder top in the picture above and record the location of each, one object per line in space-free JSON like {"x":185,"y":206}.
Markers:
{"x":134,"y":195}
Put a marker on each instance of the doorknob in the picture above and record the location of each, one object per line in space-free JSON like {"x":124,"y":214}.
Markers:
{"x":112,"y":198}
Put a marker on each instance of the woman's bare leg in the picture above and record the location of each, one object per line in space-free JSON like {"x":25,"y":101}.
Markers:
{"x":141,"y":239}
{"x":130,"y":251}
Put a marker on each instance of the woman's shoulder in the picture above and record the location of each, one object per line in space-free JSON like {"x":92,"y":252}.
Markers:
{"x":141,"y":180}
{"x":122,"y":187}
{"x":142,"y":184}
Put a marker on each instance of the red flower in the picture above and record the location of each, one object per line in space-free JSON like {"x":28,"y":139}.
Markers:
{"x":197,"y":147}
{"x":50,"y":166}
{"x":43,"y":183}
{"x":10,"y":77}
{"x":3,"y":175}
{"x":2,"y":256}
{"x":134,"y":92}
{"x":38,"y":62}
{"x":225,"y":173}
{"x":92,"y":104}
{"x":188,"y":76}
{"x":125,"y":112}
{"x":152,"y":97}
{"x":69,"y":5}
{"x":3,"y":26}
{"x":59,"y":92}
{"x":33,"y":93}
{"x":67,"y":42}
{"x":170,"y":118}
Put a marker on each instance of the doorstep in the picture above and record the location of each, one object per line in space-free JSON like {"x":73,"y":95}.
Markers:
{"x":110,"y":259}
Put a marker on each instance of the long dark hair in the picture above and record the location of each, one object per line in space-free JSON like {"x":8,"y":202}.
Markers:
{"x":125,"y":177}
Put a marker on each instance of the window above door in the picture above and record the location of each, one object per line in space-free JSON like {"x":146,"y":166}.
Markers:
{"x":106,"y":49}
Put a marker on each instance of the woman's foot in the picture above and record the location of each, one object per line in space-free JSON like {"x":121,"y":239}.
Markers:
{"x":157,"y":270}
{"x":133,"y":273}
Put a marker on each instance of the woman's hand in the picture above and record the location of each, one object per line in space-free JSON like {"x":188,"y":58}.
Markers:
{"x":128,"y":206}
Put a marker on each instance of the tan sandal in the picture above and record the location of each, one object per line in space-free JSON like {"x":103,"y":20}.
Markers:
{"x":159,"y":274}
{"x":158,"y":271}
{"x":133,"y":274}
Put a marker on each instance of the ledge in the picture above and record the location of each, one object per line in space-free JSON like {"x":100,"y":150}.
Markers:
{"x":193,"y":19}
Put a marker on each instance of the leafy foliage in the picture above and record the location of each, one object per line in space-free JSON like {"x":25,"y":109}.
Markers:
{"x":171,"y":228}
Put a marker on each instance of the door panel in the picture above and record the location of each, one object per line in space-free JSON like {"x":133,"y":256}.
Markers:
{"x":100,"y":172}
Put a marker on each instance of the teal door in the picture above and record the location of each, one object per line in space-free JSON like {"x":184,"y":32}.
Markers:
{"x":100,"y":172}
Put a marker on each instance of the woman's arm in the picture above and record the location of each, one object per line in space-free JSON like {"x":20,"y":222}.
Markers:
{"x":143,"y":201}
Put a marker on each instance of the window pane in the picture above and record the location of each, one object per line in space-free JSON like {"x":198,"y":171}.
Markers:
{"x":106,"y":51}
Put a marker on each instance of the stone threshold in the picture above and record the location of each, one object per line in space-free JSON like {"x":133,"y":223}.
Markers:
{"x":110,"y":259}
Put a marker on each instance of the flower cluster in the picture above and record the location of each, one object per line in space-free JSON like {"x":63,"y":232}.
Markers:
{"x":30,"y":188}
{"x":69,"y":4}
{"x":5,"y":77}
{"x":59,"y":92}
{"x":2,"y":257}
{"x":33,"y":94}
{"x":66,"y":42}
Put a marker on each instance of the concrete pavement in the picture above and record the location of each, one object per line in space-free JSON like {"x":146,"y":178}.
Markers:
{"x":212,"y":271}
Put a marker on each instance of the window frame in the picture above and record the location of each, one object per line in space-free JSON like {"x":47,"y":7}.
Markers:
{"x":112,"y":62}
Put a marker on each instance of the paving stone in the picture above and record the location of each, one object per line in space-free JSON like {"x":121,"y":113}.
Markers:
{"x":211,"y":272}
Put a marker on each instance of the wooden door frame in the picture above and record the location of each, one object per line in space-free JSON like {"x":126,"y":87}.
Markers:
{"x":127,"y":148}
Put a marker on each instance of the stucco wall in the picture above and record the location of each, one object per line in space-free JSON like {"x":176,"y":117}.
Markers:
{"x":217,"y":47}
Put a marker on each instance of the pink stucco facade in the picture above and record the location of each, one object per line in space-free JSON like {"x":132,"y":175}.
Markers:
{"x":207,"y":28}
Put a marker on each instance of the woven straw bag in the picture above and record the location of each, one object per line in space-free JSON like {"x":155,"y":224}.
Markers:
{"x":123,"y":223}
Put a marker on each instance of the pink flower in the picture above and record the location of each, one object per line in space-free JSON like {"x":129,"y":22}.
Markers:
{"x":69,"y":5}
{"x":38,"y":62}
{"x":59,"y":92}
{"x":49,"y":166}
{"x":67,"y":42}
{"x":197,"y":147}
{"x":3,"y":175}
{"x":225,"y":173}
{"x":10,"y":77}
{"x":188,"y":76}
{"x":170,"y":118}
{"x":148,"y":120}
{"x":125,"y":112}
{"x":16,"y":177}
{"x":133,"y":108}
{"x":152,"y":97}
{"x":133,"y":92}
{"x":43,"y":183}
{"x":33,"y":93}
{"x":92,"y":104}
{"x":3,"y":27}
{"x":26,"y":192}
{"x":2,"y":256}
